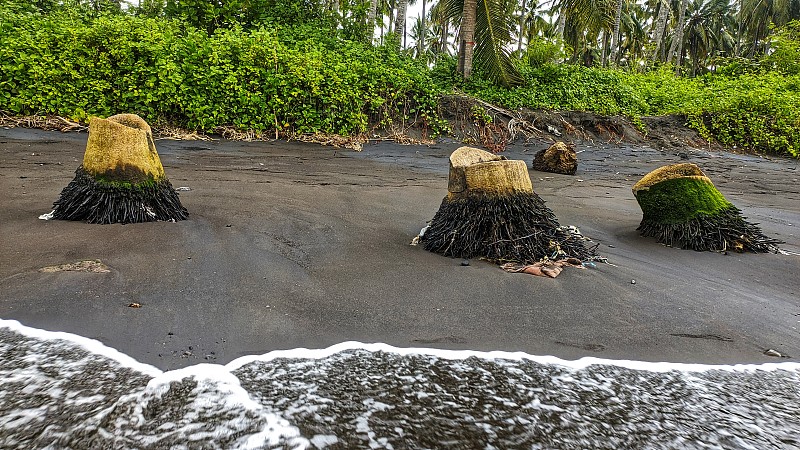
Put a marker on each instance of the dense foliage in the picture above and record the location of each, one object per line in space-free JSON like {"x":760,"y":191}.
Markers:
{"x":755,"y":111}
{"x":306,"y":74}
{"x":290,"y":79}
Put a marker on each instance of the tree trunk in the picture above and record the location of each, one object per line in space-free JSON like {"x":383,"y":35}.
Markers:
{"x":443,"y":38}
{"x":400,"y":18}
{"x":560,"y":25}
{"x":521,"y":27}
{"x":467,"y":38}
{"x":604,"y":49}
{"x":421,"y":42}
{"x":373,"y":8}
{"x":391,"y":18}
{"x":660,"y":27}
{"x":615,"y":34}
{"x":677,"y":42}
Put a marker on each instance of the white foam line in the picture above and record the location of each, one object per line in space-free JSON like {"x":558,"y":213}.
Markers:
{"x":304,"y":353}
{"x":99,"y":348}
{"x":90,"y":345}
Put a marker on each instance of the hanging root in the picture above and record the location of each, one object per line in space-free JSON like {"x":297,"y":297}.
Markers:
{"x":85,"y":199}
{"x":722,"y":231}
{"x":517,"y":228}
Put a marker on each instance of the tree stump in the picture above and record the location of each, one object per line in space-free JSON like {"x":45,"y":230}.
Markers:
{"x":121,"y":179}
{"x":492,"y":212}
{"x":682,"y":208}
{"x":558,"y":158}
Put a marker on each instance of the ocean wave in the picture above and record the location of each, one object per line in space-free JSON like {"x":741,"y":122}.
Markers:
{"x":59,"y":390}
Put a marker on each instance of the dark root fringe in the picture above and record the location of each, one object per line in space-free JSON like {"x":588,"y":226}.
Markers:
{"x":517,"y":228}
{"x":85,"y":199}
{"x":722,"y":231}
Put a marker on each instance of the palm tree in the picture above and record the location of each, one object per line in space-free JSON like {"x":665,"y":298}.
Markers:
{"x":676,"y":49}
{"x":399,"y":24}
{"x":615,"y":32}
{"x":583,"y":23}
{"x":423,"y":32}
{"x":633,"y":37}
{"x":660,"y":27}
{"x":485,"y":29}
{"x":466,"y":40}
{"x":536,"y":26}
{"x":709,"y":31}
{"x":756,"y":16}
{"x":441,"y":24}
{"x":422,"y":26}
{"x":371,"y":13}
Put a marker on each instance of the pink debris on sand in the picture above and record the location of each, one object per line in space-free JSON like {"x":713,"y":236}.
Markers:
{"x":543,"y":268}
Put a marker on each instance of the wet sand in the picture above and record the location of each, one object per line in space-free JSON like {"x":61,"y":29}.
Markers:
{"x":297,"y":245}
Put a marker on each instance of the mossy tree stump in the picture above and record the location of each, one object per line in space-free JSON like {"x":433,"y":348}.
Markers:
{"x":682,"y":208}
{"x":121,"y":179}
{"x":491,"y":211}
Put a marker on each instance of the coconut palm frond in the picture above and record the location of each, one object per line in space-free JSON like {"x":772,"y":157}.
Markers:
{"x":451,"y":9}
{"x":493,"y":30}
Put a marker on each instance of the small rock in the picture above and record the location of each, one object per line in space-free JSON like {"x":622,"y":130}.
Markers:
{"x":465,"y":262}
{"x":633,"y":281}
{"x":228,"y":226}
{"x":559,"y":158}
{"x":134,"y":305}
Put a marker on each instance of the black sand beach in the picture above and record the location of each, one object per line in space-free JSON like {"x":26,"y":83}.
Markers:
{"x":297,"y":245}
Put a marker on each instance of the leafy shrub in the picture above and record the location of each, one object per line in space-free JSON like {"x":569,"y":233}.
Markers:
{"x":541,"y":51}
{"x":785,"y":55}
{"x":564,"y":87}
{"x":305,"y":77}
{"x":755,"y":111}
{"x":286,"y":79}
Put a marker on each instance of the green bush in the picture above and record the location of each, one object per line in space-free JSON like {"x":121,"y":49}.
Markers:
{"x":297,"y":79}
{"x":565,"y":87}
{"x":306,"y":77}
{"x":754,"y":111}
{"x":785,"y":55}
{"x":541,"y":51}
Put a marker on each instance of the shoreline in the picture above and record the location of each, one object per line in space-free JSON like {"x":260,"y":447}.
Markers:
{"x":294,"y":245}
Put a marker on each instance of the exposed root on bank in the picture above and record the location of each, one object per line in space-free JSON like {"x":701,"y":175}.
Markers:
{"x":481,"y":122}
{"x":49,"y":123}
{"x":178,"y":134}
{"x":355,"y":142}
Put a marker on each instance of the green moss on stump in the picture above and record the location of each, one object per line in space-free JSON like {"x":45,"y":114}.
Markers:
{"x":681,"y":199}
{"x":682,"y":208}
